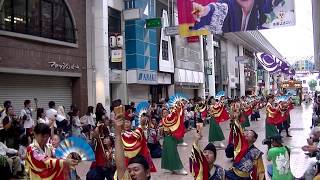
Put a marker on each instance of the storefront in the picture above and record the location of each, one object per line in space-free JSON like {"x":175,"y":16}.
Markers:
{"x":163,"y":88}
{"x":189,"y":83}
{"x":139,"y":84}
{"x":46,"y":58}
{"x":19,"y":87}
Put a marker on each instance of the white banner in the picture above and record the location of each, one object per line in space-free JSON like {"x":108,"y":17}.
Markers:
{"x":166,"y":63}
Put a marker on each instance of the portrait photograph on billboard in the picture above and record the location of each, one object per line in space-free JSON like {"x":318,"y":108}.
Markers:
{"x":201,"y":17}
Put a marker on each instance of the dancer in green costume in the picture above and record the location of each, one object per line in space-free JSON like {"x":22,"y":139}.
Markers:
{"x":215,"y":132}
{"x":246,"y":122}
{"x":170,"y":159}
{"x":245,"y":105}
{"x":271,"y":130}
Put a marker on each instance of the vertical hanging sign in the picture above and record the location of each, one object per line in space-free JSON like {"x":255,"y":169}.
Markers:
{"x":166,"y":63}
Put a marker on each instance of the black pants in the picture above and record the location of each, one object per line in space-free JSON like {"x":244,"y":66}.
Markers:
{"x":63,"y":125}
{"x":5,"y":170}
{"x":100,"y":173}
{"x":155,"y":150}
{"x":285,"y":125}
{"x":186,"y":124}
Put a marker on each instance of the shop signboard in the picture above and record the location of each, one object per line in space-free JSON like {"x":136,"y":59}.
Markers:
{"x":153,"y":23}
{"x":232,"y":82}
{"x":63,"y":66}
{"x":242,"y":59}
{"x":146,"y":77}
{"x":193,"y":39}
{"x":171,"y":31}
{"x":116,"y":55}
{"x":208,"y":66}
{"x":201,"y":17}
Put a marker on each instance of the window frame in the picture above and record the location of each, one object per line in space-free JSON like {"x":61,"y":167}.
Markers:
{"x":38,"y":36}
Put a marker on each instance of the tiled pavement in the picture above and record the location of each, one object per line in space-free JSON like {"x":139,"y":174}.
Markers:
{"x":300,"y":128}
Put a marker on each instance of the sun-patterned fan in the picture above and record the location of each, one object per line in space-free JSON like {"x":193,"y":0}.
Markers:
{"x":75,"y":146}
{"x":142,"y":108}
{"x":281,"y":99}
{"x":177,"y":97}
{"x":220,"y":94}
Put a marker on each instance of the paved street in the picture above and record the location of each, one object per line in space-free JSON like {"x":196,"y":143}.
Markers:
{"x":300,"y":128}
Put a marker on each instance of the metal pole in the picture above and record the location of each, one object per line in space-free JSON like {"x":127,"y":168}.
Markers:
{"x":154,"y":7}
{"x":239,"y":74}
{"x":168,"y":11}
{"x":172,"y":14}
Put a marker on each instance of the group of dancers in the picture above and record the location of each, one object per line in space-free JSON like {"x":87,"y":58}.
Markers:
{"x":240,"y":145}
{"x":135,"y":140}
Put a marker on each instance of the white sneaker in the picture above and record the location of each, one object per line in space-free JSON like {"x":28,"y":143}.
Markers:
{"x":180,"y":172}
{"x":183,"y":144}
{"x":222,"y":145}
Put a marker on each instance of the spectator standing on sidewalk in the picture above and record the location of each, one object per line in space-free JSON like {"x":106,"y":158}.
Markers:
{"x":61,"y":120}
{"x":26,"y":117}
{"x":89,"y":119}
{"x":75,"y":122}
{"x":2,"y":116}
{"x":280,"y":157}
{"x":52,"y":113}
{"x":41,"y":116}
{"x":100,"y":111}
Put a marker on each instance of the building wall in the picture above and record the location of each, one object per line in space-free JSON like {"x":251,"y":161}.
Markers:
{"x":141,"y":43}
{"x":316,"y":31}
{"x":116,"y":4}
{"x":242,"y":75}
{"x":91,"y":81}
{"x":19,"y":53}
{"x":229,"y":51}
{"x":188,"y":55}
{"x":138,"y":92}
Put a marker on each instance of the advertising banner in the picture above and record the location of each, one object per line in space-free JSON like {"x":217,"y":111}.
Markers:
{"x":201,"y":17}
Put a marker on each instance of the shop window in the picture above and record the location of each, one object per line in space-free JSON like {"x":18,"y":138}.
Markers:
{"x":19,"y":15}
{"x":165,"y":50}
{"x":5,"y":15}
{"x":33,"y":17}
{"x":130,"y":4}
{"x":44,"y":18}
{"x":114,"y":28}
{"x":114,"y":20}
